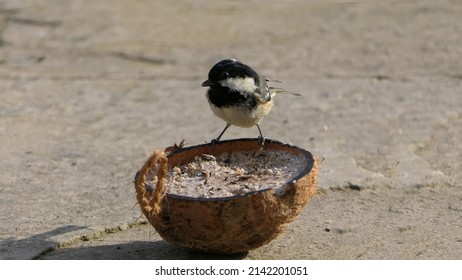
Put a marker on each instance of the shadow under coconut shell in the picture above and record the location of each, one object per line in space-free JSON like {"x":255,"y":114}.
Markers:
{"x":138,"y":250}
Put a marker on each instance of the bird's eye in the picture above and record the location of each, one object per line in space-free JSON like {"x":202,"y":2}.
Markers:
{"x":224,"y":75}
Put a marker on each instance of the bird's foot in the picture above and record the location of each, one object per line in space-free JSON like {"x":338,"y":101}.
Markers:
{"x":261,"y":139}
{"x":214,"y":141}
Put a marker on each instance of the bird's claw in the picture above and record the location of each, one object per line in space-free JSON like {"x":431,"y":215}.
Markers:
{"x":261,"y":139}
{"x":214,"y":141}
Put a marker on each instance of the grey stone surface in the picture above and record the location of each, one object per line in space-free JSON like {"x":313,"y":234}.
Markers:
{"x":88,"y":89}
{"x":378,"y":223}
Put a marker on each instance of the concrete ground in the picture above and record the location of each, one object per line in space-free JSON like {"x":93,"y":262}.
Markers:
{"x":88,"y":89}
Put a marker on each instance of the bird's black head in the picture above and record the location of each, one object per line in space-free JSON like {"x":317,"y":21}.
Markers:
{"x":233,"y":74}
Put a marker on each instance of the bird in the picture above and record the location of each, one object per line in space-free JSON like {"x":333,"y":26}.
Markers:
{"x":239,"y":95}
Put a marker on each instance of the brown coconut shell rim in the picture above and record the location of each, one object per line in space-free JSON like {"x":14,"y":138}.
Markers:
{"x":306,"y":170}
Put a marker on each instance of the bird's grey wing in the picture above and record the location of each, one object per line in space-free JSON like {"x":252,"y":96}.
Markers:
{"x":263,"y":91}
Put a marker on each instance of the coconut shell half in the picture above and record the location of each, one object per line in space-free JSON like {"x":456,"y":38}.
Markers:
{"x":223,"y":225}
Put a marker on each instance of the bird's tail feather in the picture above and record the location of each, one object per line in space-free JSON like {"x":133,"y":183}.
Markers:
{"x":278,"y":90}
{"x":275,"y":90}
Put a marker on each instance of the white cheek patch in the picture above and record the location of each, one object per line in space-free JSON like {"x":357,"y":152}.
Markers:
{"x":240,"y":84}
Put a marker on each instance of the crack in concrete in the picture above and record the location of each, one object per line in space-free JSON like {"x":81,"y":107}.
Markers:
{"x":8,"y":11}
{"x":141,"y":58}
{"x":33,"y":22}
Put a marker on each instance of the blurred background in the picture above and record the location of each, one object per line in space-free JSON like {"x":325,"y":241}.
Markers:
{"x":88,"y":89}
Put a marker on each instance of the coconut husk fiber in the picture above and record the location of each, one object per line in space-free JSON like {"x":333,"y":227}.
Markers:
{"x":222,"y":225}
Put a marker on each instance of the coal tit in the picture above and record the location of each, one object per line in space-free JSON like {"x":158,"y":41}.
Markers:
{"x":238,"y":95}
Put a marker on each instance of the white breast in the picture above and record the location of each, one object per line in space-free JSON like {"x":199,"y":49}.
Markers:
{"x":241,"y":116}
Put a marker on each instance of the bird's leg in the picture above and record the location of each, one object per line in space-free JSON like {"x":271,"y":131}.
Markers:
{"x":261,"y":138}
{"x":216,"y":140}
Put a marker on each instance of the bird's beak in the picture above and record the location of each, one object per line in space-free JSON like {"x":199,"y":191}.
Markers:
{"x":207,"y":83}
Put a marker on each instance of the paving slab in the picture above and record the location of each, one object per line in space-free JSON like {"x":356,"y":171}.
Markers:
{"x":88,"y":89}
{"x":344,"y":224}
